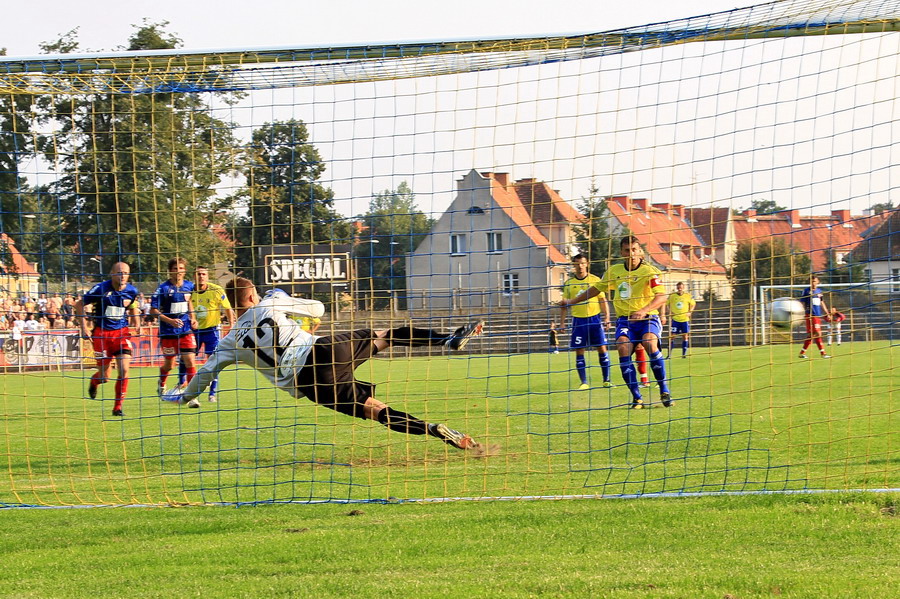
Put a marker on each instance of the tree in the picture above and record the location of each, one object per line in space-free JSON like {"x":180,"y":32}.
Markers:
{"x":843,"y":270}
{"x":139,"y":170}
{"x":881,"y":207}
{"x":283,"y":200}
{"x":17,"y":200}
{"x":769,"y":262}
{"x":765,"y":206}
{"x":592,"y":234}
{"x":393,"y":227}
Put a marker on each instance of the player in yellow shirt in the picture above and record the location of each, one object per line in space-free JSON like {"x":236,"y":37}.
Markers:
{"x":209,"y":301}
{"x":310,"y":324}
{"x":639,"y":294}
{"x":681,"y":305}
{"x":587,"y":326}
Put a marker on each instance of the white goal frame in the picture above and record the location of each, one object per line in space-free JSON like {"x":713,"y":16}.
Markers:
{"x":765,"y":294}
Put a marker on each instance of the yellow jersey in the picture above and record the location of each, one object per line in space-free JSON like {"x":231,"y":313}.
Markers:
{"x":680,"y":306}
{"x":574,"y":286}
{"x":634,"y":289}
{"x":208,"y":305}
{"x":308,"y":322}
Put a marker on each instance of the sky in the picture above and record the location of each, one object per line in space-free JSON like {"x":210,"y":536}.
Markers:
{"x":104,"y":25}
{"x":698,"y":124}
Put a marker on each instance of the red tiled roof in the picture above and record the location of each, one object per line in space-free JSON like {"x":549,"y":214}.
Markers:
{"x":660,"y":228}
{"x":509,"y":199}
{"x":20,"y":265}
{"x":815,"y":235}
{"x":711,"y":224}
{"x":882,"y":242}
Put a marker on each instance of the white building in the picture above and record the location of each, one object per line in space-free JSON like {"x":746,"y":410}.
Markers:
{"x":498,"y":245}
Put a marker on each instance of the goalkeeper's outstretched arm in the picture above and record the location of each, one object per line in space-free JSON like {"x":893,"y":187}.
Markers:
{"x":221,"y":359}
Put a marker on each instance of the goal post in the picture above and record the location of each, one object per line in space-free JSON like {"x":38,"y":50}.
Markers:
{"x":432,"y":186}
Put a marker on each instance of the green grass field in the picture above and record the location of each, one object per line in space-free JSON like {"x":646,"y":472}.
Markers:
{"x":745,"y":420}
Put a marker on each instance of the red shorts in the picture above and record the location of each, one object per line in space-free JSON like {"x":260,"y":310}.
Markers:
{"x":109,"y":343}
{"x":813,"y":325}
{"x":171,"y":346}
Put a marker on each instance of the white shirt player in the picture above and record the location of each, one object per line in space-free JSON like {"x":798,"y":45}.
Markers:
{"x":266,"y":338}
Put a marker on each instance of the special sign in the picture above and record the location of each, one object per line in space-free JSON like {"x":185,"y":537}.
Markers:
{"x":306,"y":268}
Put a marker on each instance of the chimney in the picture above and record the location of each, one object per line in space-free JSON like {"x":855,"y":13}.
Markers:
{"x":750,"y":213}
{"x":625,"y":201}
{"x":842,"y":217}
{"x":502,"y":179}
{"x":640,"y":204}
{"x":794,"y":217}
{"x":664,"y":208}
{"x":679,"y":210}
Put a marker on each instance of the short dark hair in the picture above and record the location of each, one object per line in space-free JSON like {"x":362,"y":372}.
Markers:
{"x":628,"y":240}
{"x":578,"y":257}
{"x":238,"y":291}
{"x":175,"y":261}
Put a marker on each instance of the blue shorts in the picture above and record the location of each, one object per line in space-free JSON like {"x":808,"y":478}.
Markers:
{"x":208,"y":339}
{"x":636,"y":329}
{"x":681,"y":328}
{"x":587,"y":332}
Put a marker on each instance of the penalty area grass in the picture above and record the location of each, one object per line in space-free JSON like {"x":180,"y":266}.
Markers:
{"x":786,"y":546}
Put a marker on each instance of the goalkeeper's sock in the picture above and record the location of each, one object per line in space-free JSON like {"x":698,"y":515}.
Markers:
{"x":415,"y":337}
{"x":401,"y":422}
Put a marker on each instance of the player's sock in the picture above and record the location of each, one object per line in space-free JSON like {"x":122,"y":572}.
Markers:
{"x":819,"y":345}
{"x":402,"y":422}
{"x":95,"y":379}
{"x":191,"y":373}
{"x":414,"y":337}
{"x":605,"y":366}
{"x":581,"y":367}
{"x":629,"y":375}
{"x":121,"y":389}
{"x":806,"y":345}
{"x":658,"y":366}
{"x":214,"y":386}
{"x":684,"y":347}
{"x":162,"y":378}
{"x":182,"y":373}
{"x":117,"y":405}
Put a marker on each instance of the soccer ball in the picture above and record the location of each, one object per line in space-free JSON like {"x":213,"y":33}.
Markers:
{"x":786,"y":313}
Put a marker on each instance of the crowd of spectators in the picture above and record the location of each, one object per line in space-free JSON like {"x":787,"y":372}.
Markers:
{"x":45,"y":312}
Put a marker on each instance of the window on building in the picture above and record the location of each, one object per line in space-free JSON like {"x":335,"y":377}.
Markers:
{"x":494,"y":243}
{"x":510,"y":284}
{"x":458,"y":243}
{"x":895,"y":280}
{"x":841,"y":257}
{"x":676,"y":251}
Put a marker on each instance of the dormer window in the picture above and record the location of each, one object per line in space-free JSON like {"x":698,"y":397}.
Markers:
{"x":475,"y":210}
{"x":675,"y":250}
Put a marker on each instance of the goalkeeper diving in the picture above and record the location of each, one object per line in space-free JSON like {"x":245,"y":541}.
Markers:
{"x":267,"y":337}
